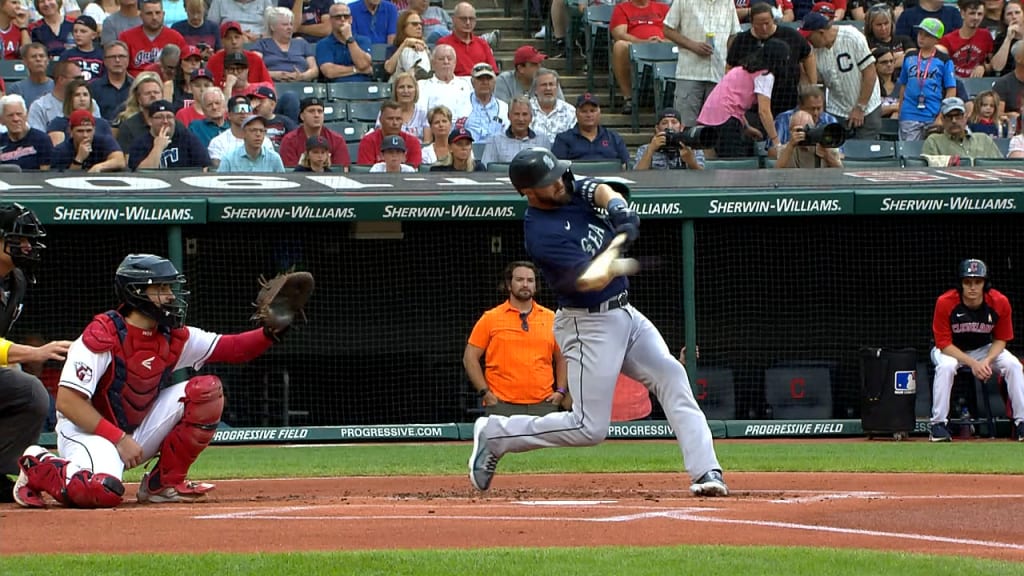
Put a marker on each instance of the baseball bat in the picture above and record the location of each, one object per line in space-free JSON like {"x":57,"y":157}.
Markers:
{"x":607,"y":265}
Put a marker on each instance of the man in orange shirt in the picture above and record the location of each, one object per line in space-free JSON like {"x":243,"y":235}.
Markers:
{"x":525,"y":372}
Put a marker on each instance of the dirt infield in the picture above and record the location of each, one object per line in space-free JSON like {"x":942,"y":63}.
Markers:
{"x":942,"y":514}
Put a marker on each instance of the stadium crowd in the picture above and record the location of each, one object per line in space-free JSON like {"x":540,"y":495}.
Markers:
{"x":190,"y":84}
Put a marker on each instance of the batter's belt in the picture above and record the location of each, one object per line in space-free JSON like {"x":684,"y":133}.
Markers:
{"x":619,"y":301}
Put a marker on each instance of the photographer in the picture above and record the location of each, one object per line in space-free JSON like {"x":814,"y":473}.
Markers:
{"x":666,"y":150}
{"x":804,"y":152}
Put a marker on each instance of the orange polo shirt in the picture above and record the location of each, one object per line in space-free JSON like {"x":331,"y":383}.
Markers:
{"x":518,"y":364}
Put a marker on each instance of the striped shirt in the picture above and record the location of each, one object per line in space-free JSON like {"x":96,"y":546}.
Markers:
{"x":562,"y":118}
{"x":504,"y":147}
{"x":695,"y":19}
{"x":840,"y":67}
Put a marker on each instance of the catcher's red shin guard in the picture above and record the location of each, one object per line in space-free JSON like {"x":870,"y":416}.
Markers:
{"x":46,"y":474}
{"x":88,"y":490}
{"x":204,"y":403}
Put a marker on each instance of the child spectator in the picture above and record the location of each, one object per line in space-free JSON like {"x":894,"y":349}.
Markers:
{"x":392,"y":150}
{"x":86,"y":53}
{"x":317,"y":157}
{"x":983,"y":115}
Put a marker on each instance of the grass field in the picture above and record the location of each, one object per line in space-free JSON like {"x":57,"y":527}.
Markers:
{"x":1000,"y":457}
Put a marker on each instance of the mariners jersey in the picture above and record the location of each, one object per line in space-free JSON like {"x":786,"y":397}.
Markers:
{"x":969,"y":329}
{"x":563,"y":241}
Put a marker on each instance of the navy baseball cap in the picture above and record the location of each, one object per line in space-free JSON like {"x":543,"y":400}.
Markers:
{"x":459,"y":133}
{"x":235,"y":59}
{"x":669,"y":113}
{"x":587,"y":98}
{"x":264,"y":92}
{"x":202,"y":73}
{"x":814,"y":21}
{"x":311,"y":101}
{"x":87,"y":21}
{"x":392,"y":143}
{"x":317,"y":142}
{"x":160,"y":106}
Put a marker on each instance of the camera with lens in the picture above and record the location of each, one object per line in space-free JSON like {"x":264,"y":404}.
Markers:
{"x":828,"y":135}
{"x":699,"y":137}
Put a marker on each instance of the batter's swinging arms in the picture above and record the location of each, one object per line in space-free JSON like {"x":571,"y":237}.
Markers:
{"x":567,"y":223}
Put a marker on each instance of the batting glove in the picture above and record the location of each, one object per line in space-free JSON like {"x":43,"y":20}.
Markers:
{"x":624,"y":219}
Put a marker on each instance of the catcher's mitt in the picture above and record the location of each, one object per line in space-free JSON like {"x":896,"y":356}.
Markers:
{"x":280,"y":300}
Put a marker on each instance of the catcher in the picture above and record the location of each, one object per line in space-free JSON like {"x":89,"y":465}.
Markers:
{"x":117,"y":406}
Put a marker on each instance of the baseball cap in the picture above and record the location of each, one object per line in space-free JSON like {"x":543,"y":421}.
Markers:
{"x":235,"y":59}
{"x":239,"y":105}
{"x":81,"y":118}
{"x":311,"y":101}
{"x":825,"y":9}
{"x":669,"y":113}
{"x":483,"y":69}
{"x":814,"y":21}
{"x":459,"y":133}
{"x":317,"y":142}
{"x":87,"y":21}
{"x":587,"y":98}
{"x":526,"y":54}
{"x":202,"y":73}
{"x":392,"y":143}
{"x":191,"y":51}
{"x":264,"y":92}
{"x":953,"y":104}
{"x":933,"y":27}
{"x":253,"y":117}
{"x":230,"y":25}
{"x":160,"y":106}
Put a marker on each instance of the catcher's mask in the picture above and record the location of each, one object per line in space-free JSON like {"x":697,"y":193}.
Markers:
{"x":18,"y":224}
{"x":973,"y":268}
{"x":136,"y":272}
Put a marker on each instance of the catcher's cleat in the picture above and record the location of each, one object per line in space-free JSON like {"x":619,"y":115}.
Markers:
{"x":482,"y":462}
{"x":710,"y":484}
{"x":185,"y":492}
{"x":27,"y":497}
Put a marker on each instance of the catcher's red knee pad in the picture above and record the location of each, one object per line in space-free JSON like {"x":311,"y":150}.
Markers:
{"x":46,"y":474}
{"x":88,"y":490}
{"x":204,"y":401}
{"x":204,"y":404}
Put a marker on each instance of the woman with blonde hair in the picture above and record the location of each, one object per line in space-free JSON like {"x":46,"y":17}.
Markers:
{"x":411,"y":52}
{"x":440,"y":118}
{"x":461,"y":159}
{"x":77,"y":96}
{"x":132,"y":123}
{"x":288,"y":59}
{"x":406,"y":91}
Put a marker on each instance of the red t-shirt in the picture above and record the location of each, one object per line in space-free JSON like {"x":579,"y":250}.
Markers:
{"x":469,"y":55}
{"x":968,"y":53}
{"x":257,"y":69}
{"x":369,"y":149}
{"x":12,"y":42}
{"x":143,"y":51}
{"x":294,"y":144}
{"x":969,"y":329}
{"x":642,"y":22}
{"x":187,"y":114}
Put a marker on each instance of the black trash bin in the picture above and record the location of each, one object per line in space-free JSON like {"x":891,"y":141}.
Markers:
{"x":888,"y":391}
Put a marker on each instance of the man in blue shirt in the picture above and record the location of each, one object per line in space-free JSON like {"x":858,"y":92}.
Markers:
{"x":375,"y":19}
{"x":588,"y":139}
{"x":488,"y":115}
{"x":909,"y":20}
{"x":87,"y":150}
{"x":23,"y":145}
{"x":164,"y":146}
{"x":111,"y":89}
{"x":811,"y":99}
{"x":252,"y":155}
{"x":343,"y":56}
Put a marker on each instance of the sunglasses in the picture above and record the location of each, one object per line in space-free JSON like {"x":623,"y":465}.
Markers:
{"x":341,"y":16}
{"x":523,"y":317}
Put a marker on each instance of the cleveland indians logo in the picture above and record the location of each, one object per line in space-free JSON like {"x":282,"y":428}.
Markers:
{"x":83,"y":372}
{"x":972,"y":267}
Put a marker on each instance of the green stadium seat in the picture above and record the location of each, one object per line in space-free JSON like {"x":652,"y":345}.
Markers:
{"x":1004,"y":146}
{"x":999,"y":163}
{"x":752,"y":163}
{"x":335,"y":111}
{"x":910,"y":150}
{"x":13,"y":70}
{"x":598,"y":17}
{"x":351,"y":131}
{"x":363,"y":112}
{"x":890,"y":129}
{"x":976,"y":85}
{"x":873,"y":163}
{"x":498,"y":167}
{"x":478,"y":149}
{"x":588,"y":167}
{"x":302,"y":89}
{"x":359,"y":168}
{"x":353,"y":150}
{"x":869,"y":150}
{"x":664,"y":85}
{"x":359,"y":91}
{"x":642,"y":58}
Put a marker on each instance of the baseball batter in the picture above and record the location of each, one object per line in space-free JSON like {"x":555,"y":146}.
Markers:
{"x":567,"y":223}
{"x":117,"y":406}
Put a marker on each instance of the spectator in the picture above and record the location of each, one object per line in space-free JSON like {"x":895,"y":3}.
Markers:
{"x":437,"y":23}
{"x":878,"y":30}
{"x":926,"y":78}
{"x":174,"y":12}
{"x":392,"y":151}
{"x":233,"y":40}
{"x":317,"y":157}
{"x":560,"y":21}
{"x":311,"y":18}
{"x":956,"y":140}
{"x":254,"y":154}
{"x":702,"y":51}
{"x":239,"y":111}
{"x":406,"y":92}
{"x":343,"y":56}
{"x":912,"y":16}
{"x":519,"y":80}
{"x":523,"y":371}
{"x":390,"y":125}
{"x":1016,"y":147}
{"x":983,"y":119}
{"x":85,"y":52}
{"x":1010,"y":87}
{"x":214,"y":121}
{"x":661,"y":154}
{"x":197,"y":30}
{"x":861,"y":9}
{"x":53,"y":30}
{"x":488,"y":115}
{"x":445,"y":88}
{"x":133,"y":121}
{"x":796,"y":154}
{"x":178,"y":88}
{"x":801,"y":67}
{"x":263,"y":101}
{"x":1013,"y":17}
{"x":14,"y":29}
{"x":969,"y":50}
{"x":835,"y":10}
{"x":112,"y":88}
{"x":38,"y":84}
{"x":410,"y":49}
{"x":971,"y":327}
{"x":127,"y":17}
{"x":191,"y":108}
{"x":23,"y":145}
{"x":248,"y":14}
{"x":551,"y":114}
{"x":504,"y":146}
{"x":470,"y":49}
{"x":731,"y":101}
{"x":589,"y":140}
{"x":888,"y":87}
{"x":147,"y":40}
{"x":993,"y":20}
{"x":311,"y":118}
{"x":77,"y":96}
{"x":164,"y":146}
{"x":440,"y":127}
{"x":633,"y":21}
{"x":86,"y":149}
{"x":51,"y":106}
{"x":375,"y":19}
{"x":167,"y":62}
{"x":288,"y":59}
{"x":853,"y":89}
{"x":811,"y":101}
{"x":460,"y":158}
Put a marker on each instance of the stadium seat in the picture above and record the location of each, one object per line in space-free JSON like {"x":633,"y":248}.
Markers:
{"x":752,"y":163}
{"x":353,"y":151}
{"x":363,"y":112}
{"x":873,"y":163}
{"x":598,"y":18}
{"x":879,"y":150}
{"x":576,"y":23}
{"x":587,"y":167}
{"x":999,"y":163}
{"x":664,"y":85}
{"x":976,"y":85}
{"x":351,"y":131}
{"x":909,"y":152}
{"x":359,"y":169}
{"x":359,"y":91}
{"x":335,"y":111}
{"x":380,"y":52}
{"x":13,"y":70}
{"x":1004,"y":146}
{"x":478,"y":149}
{"x":642,"y":58}
{"x":302,"y":89}
{"x":498,"y":167}
{"x":890,"y":129}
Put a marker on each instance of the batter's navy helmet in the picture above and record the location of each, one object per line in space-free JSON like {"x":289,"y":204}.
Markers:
{"x":535,"y":168}
{"x":136,"y":272}
{"x":974,"y":268}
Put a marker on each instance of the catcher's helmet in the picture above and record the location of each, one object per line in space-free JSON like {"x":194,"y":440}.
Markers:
{"x":136,"y":272}
{"x":535,"y":168}
{"x":18,"y":224}
{"x":974,"y":268}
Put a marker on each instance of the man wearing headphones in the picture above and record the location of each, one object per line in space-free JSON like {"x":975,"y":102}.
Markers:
{"x":972,"y":325}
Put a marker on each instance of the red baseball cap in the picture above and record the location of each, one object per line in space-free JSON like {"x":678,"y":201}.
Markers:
{"x":81,"y":118}
{"x":526,"y":54}
{"x":230,"y":25}
{"x":191,"y":52}
{"x":826,"y":9}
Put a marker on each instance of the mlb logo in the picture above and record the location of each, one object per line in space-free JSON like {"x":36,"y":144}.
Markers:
{"x":906,"y":382}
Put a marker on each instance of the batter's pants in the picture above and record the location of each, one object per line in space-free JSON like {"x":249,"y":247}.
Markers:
{"x":24,"y":405}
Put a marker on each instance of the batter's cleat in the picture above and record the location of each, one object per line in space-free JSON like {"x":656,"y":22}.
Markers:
{"x":939,"y":433}
{"x":185,"y":492}
{"x":710,"y":484}
{"x":482,"y":462}
{"x":27,"y":497}
{"x":1020,"y":431}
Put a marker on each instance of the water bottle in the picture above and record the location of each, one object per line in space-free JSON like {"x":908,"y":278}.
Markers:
{"x":965,"y":423}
